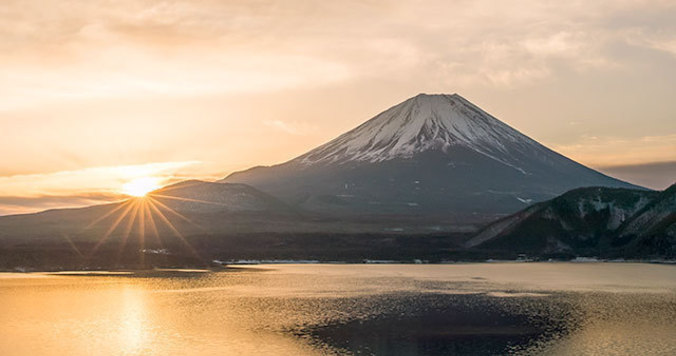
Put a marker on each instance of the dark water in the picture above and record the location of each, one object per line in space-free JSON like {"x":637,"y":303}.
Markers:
{"x":475,"y":309}
{"x":561,"y":323}
{"x":442,"y":325}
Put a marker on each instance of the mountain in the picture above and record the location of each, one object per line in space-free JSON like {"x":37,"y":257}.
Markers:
{"x":413,"y":182}
{"x":653,"y":228}
{"x":431,"y":155}
{"x":192,"y":223}
{"x":589,"y":222}
{"x":163,"y":220}
{"x":198,"y":196}
{"x":189,"y":205}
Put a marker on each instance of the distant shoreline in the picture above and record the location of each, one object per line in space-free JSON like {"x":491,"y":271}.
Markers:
{"x":243,"y":265}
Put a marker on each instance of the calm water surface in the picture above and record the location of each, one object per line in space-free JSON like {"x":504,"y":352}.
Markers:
{"x":506,"y":308}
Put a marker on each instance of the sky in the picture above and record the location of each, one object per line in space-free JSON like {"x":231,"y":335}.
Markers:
{"x":97,"y":94}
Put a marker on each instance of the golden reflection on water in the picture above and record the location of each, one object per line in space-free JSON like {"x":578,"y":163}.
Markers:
{"x":85,"y":315}
{"x":133,"y":323}
{"x":250,"y":313}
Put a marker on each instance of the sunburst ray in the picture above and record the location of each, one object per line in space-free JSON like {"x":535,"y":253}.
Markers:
{"x":151,"y":223}
{"x":72,"y":245}
{"x":142,"y":230}
{"x":176,"y":213}
{"x":130,"y":224}
{"x":111,"y":212}
{"x":111,"y":228}
{"x":172,"y":228}
{"x":190,"y":200}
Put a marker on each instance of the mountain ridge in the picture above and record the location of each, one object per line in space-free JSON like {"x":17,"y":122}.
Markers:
{"x":594,"y":221}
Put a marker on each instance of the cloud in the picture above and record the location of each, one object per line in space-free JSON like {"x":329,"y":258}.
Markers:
{"x":33,"y":192}
{"x":77,"y":51}
{"x":145,"y":74}
{"x":69,"y":50}
{"x":655,"y":175}
{"x":662,"y":42}
{"x":102,"y":180}
{"x":24,"y":205}
{"x":606,"y":151}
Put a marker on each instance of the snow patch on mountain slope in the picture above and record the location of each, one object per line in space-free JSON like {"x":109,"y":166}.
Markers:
{"x":422,"y":123}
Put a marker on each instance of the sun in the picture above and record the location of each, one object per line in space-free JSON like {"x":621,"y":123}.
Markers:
{"x":139,"y":187}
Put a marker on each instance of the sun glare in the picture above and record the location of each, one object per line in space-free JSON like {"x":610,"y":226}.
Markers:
{"x":139,"y":187}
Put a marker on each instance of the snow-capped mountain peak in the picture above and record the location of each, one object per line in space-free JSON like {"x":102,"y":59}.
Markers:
{"x":431,"y":154}
{"x":422,"y":123}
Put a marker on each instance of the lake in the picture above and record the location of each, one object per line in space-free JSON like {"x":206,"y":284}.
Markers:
{"x":487,"y":308}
